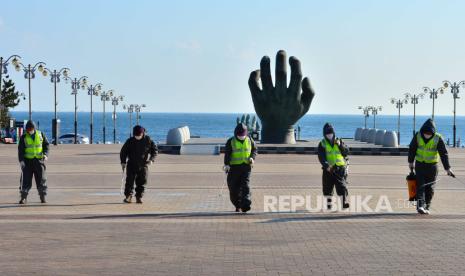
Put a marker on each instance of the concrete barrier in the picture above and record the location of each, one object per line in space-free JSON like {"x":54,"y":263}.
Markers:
{"x":390,"y":139}
{"x":371,"y":136}
{"x":380,"y":137}
{"x":358,"y":134}
{"x":364,"y":135}
{"x":178,"y":136}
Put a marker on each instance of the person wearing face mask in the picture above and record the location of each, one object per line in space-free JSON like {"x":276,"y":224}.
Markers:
{"x":33,"y":149}
{"x":136,"y":154}
{"x":426,"y":148}
{"x":240,"y":153}
{"x":332,"y":154}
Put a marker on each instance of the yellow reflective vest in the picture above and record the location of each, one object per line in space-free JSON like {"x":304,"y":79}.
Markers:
{"x":241,"y":151}
{"x":427,"y":152}
{"x":33,"y":147}
{"x":333,"y":154}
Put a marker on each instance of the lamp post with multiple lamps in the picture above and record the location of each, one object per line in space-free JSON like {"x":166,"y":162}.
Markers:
{"x":4,"y":70}
{"x":454,"y":89}
{"x":105,"y":97}
{"x":130,"y":109}
{"x":399,"y":105}
{"x":414,"y":100}
{"x":137,"y":109}
{"x":77,"y":84}
{"x":93,"y":90}
{"x":115,"y":101}
{"x":55,"y":78}
{"x":433,"y":94}
{"x":366,"y":113}
{"x":374,"y":112}
{"x":29,"y":74}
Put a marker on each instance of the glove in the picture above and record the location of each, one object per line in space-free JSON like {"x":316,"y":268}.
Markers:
{"x":123,"y":166}
{"x":226,"y":168}
{"x":45,"y":158}
{"x":251,"y":161}
{"x":450,"y":173}
{"x":150,"y":162}
{"x":22,"y":164}
{"x":411,"y":166}
{"x":329,"y":169}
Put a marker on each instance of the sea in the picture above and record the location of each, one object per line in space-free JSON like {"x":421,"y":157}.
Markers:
{"x":220,"y":125}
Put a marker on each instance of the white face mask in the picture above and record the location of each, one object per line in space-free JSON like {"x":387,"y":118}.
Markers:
{"x":31,"y":132}
{"x":138,"y":137}
{"x":427,"y":136}
{"x":242,"y":138}
{"x":330,"y":136}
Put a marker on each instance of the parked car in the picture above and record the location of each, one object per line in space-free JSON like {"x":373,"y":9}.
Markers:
{"x":68,"y":138}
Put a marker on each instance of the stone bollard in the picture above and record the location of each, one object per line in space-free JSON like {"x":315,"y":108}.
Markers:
{"x":358,"y":134}
{"x":371,"y":135}
{"x":390,"y":139}
{"x":364,"y":136}
{"x":178,"y":136}
{"x":380,"y":137}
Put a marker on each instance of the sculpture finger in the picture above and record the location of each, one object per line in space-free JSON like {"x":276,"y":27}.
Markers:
{"x":295,"y":83}
{"x":281,"y":71}
{"x":254,"y":85}
{"x":265,"y":74}
{"x":307,"y":95}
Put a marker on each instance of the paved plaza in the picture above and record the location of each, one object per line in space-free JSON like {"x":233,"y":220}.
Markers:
{"x":186,"y":225}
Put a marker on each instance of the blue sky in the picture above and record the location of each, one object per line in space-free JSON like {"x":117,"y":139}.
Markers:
{"x":196,"y":56}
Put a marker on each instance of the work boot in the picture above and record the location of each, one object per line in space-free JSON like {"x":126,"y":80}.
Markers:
{"x":139,"y":200}
{"x":23,"y":200}
{"x":128,"y":199}
{"x":422,"y":211}
{"x":345,"y":203}
{"x":42,"y":198}
{"x":238,"y":210}
{"x":245,"y":210}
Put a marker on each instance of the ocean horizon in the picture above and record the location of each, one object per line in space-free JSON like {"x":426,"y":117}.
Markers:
{"x":221,"y":125}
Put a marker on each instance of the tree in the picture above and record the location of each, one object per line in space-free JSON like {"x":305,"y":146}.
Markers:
{"x":9,"y":98}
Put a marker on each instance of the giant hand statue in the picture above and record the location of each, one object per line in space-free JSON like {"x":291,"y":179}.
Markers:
{"x":279,"y":107}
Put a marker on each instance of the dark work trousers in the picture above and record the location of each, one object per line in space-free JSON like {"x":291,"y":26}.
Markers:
{"x":426,"y":177}
{"x":336,"y":179}
{"x":34,"y":168}
{"x":137,"y":174}
{"x":238,"y":184}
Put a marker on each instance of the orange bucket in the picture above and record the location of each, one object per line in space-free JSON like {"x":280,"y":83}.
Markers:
{"x":412,"y":186}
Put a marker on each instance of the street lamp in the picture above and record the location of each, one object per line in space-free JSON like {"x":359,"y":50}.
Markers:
{"x":137,"y":108}
{"x":3,"y":69}
{"x":130,"y":109}
{"x":93,"y":90}
{"x":374,"y":112}
{"x":115,"y":101}
{"x":104,"y":97}
{"x":399,"y":105}
{"x":77,"y":84}
{"x":55,"y":78}
{"x":366,"y":113}
{"x":29,"y":74}
{"x":414,"y":100}
{"x":433,"y":94}
{"x":454,"y":89}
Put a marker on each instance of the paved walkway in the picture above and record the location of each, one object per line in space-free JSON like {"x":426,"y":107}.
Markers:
{"x":186,"y":227}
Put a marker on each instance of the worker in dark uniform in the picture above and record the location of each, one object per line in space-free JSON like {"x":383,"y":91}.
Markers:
{"x":332,"y":154}
{"x":426,"y":148}
{"x":240,"y":153}
{"x":32,"y":154}
{"x":136,"y":154}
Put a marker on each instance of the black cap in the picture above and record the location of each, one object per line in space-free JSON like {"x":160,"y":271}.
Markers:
{"x":241,"y":130}
{"x":138,"y":130}
{"x":30,"y":125}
